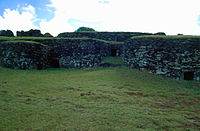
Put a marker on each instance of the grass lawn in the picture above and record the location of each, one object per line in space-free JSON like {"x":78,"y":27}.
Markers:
{"x":96,"y":99}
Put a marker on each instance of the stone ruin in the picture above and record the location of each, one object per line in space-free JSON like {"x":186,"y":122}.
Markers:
{"x":169,"y":56}
{"x":52,"y":53}
{"x":176,"y":57}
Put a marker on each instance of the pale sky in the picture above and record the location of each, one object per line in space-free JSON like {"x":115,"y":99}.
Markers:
{"x":57,"y":16}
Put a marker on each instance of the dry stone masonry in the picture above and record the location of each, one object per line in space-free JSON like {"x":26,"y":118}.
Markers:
{"x":77,"y":53}
{"x":109,"y":36}
{"x":177,"y":57}
{"x":52,"y":53}
{"x":172,"y":57}
{"x":23,"y":55}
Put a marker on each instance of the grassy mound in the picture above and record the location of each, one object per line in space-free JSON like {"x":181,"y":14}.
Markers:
{"x":96,"y":99}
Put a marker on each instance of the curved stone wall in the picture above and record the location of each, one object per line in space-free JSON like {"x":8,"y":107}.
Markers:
{"x":78,"y":53}
{"x":54,"y":52}
{"x":109,"y":36}
{"x":23,"y":55}
{"x":177,"y":57}
{"x":168,"y":56}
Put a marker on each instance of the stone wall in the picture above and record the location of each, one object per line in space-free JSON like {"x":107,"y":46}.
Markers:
{"x":109,"y":36}
{"x":169,"y":56}
{"x":173,"y":57}
{"x":23,"y":55}
{"x":77,"y":53}
{"x":59,"y":53}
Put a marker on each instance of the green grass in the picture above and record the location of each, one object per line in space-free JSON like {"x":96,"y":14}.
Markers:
{"x":38,"y":38}
{"x":167,"y":36}
{"x":113,"y":60}
{"x":54,"y":38}
{"x":96,"y":99}
{"x":110,"y":42}
{"x":21,"y":41}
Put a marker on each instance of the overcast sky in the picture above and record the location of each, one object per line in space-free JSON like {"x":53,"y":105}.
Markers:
{"x":56,"y":16}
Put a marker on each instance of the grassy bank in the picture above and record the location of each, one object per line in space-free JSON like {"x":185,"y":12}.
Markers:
{"x":96,"y":99}
{"x":2,"y":38}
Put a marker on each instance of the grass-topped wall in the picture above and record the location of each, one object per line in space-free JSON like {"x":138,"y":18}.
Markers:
{"x":23,"y":54}
{"x":109,"y":36}
{"x":172,"y":56}
{"x":59,"y":52}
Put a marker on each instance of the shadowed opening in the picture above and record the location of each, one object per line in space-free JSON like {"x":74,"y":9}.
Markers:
{"x":189,"y":75}
{"x":54,"y":63}
{"x":39,"y":66}
{"x":113,"y":52}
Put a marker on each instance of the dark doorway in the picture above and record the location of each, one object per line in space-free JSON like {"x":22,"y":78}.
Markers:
{"x":53,"y":59}
{"x":54,"y":63}
{"x":189,"y":75}
{"x":39,"y":66}
{"x":113,"y":52}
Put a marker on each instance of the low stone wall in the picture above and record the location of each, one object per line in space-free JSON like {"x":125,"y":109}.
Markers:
{"x":172,"y":57}
{"x":54,"y":52}
{"x":23,"y":55}
{"x":77,"y":53}
{"x":109,"y":36}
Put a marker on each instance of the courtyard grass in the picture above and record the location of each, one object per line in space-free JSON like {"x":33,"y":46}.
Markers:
{"x":96,"y":99}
